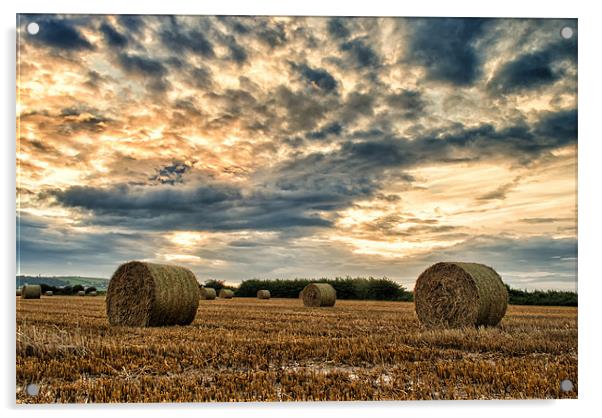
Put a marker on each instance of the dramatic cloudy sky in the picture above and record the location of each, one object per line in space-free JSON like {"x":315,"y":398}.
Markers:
{"x":298,"y":147}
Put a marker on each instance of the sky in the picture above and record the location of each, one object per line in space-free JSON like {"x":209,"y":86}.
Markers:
{"x":283,"y":147}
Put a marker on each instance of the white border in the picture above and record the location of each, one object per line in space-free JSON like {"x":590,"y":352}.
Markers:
{"x":590,"y":208}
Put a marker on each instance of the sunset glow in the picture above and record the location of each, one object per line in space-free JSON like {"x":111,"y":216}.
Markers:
{"x":282,"y":147}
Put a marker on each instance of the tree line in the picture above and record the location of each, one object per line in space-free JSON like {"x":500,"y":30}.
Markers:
{"x":362,"y":288}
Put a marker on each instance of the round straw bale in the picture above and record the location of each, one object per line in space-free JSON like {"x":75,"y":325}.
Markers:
{"x":81,"y":293}
{"x":208,"y":293}
{"x":18,"y":292}
{"x":263,"y":294}
{"x":301,"y":294}
{"x":226,"y":294}
{"x":319,"y":294}
{"x":458,"y":295}
{"x":147,"y":294}
{"x":48,"y":293}
{"x":31,"y":291}
{"x":92,"y":293}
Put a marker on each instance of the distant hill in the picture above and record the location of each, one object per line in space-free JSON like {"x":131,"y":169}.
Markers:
{"x":97,"y":282}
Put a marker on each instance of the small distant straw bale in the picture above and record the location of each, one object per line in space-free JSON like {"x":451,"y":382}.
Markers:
{"x":319,"y":294}
{"x":208,"y":293}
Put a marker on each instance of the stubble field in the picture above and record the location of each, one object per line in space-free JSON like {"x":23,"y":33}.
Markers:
{"x":278,"y":350}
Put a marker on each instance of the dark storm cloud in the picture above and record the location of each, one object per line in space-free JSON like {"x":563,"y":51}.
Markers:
{"x":559,"y":127}
{"x":273,"y":35}
{"x":81,"y":118}
{"x":151,"y":70}
{"x":210,"y":207}
{"x":361,"y":54}
{"x":407,"y":103}
{"x":356,"y":105}
{"x":317,"y":76}
{"x":62,"y":35}
{"x":181,"y":41}
{"x":201,"y":77}
{"x":112,"y":36}
{"x":236,"y":52}
{"x":337,"y":28}
{"x":304,"y":111}
{"x":535,"y":69}
{"x":331,"y":129}
{"x":141,"y":65}
{"x":358,"y":168}
{"x":445,"y":47}
{"x":133,"y":23}
{"x":234,"y":23}
{"x":171,"y":174}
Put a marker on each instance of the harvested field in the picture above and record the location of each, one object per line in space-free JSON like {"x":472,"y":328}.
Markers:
{"x":245,"y":349}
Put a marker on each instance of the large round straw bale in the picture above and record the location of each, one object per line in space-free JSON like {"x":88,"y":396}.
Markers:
{"x":226,"y":294}
{"x":81,"y":293}
{"x":460,"y":294}
{"x":48,"y":293}
{"x":208,"y":293}
{"x":18,"y":292}
{"x":263,"y":294}
{"x":92,"y":293}
{"x":319,"y":294}
{"x":146,"y":294}
{"x":31,"y":291}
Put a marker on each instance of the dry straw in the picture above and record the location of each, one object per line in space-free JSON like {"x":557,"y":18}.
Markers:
{"x":263,"y":294}
{"x":458,"y":295}
{"x":146,"y":294}
{"x":226,"y":294}
{"x":48,"y":293}
{"x":319,"y":294}
{"x":208,"y":293}
{"x":31,"y":291}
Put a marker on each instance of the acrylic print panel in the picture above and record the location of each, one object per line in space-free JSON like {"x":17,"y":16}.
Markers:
{"x":217,"y":208}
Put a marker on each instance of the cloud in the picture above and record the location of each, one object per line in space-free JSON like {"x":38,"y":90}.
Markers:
{"x":408,"y":103}
{"x":141,"y":65}
{"x":446,"y":48}
{"x":337,"y":28}
{"x":318,"y":77}
{"x":501,"y":192}
{"x":544,"y":220}
{"x":112,"y":36}
{"x":171,"y":174}
{"x":361,"y":54}
{"x":237,"y":52}
{"x":62,"y":35}
{"x":182,"y":41}
{"x":211,"y":207}
{"x":272,"y":35}
{"x":330,"y":129}
{"x":359,"y":146}
{"x":532,"y":70}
